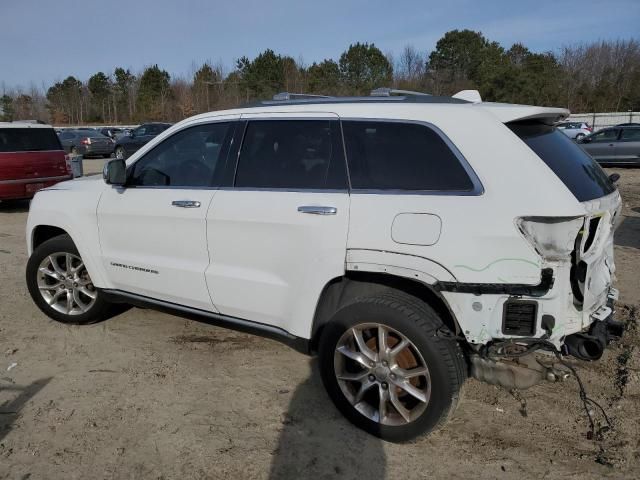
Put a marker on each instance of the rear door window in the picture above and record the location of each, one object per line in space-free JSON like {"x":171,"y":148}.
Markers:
{"x":577,"y":170}
{"x":402,"y":156}
{"x":292,"y":154}
{"x":630,"y":135}
{"x":28,"y":140}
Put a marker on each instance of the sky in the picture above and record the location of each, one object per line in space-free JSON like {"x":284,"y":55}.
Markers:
{"x":44,"y":41}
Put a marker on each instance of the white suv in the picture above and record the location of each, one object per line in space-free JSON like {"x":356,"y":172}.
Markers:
{"x":407,"y":240}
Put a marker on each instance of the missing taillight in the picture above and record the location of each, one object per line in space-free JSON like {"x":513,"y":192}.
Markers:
{"x":552,"y":237}
{"x":591,"y":234}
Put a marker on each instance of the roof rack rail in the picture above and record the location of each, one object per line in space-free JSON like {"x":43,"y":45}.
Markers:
{"x":387,"y":92}
{"x":283,"y":96}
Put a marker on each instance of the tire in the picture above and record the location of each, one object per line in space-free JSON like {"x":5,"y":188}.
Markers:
{"x":402,"y":317}
{"x":120,"y":153}
{"x":580,"y":136}
{"x":87,"y":302}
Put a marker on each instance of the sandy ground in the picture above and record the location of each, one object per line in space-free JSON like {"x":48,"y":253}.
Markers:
{"x":147,"y":395}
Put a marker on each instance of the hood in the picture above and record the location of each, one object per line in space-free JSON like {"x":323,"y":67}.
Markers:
{"x":89,"y":182}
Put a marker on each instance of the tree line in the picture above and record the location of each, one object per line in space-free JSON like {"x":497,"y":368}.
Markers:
{"x":599,"y":76}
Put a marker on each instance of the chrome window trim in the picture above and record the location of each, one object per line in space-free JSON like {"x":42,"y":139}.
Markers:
{"x":477,"y":190}
{"x":285,"y":190}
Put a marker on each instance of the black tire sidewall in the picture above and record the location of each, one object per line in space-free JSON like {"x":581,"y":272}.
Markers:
{"x":432,"y":348}
{"x":62,"y":243}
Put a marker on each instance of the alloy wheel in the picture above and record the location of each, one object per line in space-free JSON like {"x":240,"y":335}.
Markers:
{"x":65,"y":285}
{"x":382,"y":374}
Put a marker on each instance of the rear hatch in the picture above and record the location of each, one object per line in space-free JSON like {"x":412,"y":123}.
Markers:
{"x":593,"y":268}
{"x":31,"y":153}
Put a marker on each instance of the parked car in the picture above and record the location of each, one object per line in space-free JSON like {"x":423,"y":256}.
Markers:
{"x":404,"y":240}
{"x":86,"y":143}
{"x":111,"y":132}
{"x":614,"y":145}
{"x":126,"y":145}
{"x":575,"y":130}
{"x":31,"y":158}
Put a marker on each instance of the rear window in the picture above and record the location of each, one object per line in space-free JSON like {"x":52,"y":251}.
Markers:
{"x":28,"y":140}
{"x":577,"y":170}
{"x":401,"y":156}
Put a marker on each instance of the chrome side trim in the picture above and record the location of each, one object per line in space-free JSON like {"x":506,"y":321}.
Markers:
{"x":217,"y":319}
{"x":35,"y":180}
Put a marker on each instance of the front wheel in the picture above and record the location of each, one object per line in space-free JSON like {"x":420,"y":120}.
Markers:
{"x":387,"y":370}
{"x":60,"y":285}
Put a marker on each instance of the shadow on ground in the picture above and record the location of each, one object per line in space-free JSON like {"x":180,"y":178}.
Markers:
{"x":10,"y":410}
{"x":317,"y":442}
{"x":628,"y":233}
{"x":14,"y":206}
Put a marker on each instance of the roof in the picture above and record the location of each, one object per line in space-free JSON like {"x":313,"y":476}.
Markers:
{"x":315,"y":100}
{"x":505,"y":112}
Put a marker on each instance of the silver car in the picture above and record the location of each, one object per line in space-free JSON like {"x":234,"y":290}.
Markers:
{"x":614,"y":146}
{"x":575,"y":130}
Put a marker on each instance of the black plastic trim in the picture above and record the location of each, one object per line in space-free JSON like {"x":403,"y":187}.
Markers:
{"x":546,"y":282}
{"x":211,"y":318}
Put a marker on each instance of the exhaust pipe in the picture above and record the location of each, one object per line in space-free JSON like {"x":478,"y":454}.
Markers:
{"x":590,"y":346}
{"x":584,"y":346}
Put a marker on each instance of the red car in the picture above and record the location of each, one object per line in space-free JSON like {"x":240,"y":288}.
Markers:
{"x":31,"y":158}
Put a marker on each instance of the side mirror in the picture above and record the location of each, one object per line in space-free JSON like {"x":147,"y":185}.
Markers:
{"x":614,"y":177}
{"x":584,"y":140}
{"x":115,"y":172}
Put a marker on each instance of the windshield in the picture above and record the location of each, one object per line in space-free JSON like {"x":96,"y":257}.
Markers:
{"x":577,"y":170}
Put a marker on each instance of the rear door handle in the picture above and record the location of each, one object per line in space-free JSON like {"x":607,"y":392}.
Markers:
{"x":317,"y":210}
{"x":186,"y":203}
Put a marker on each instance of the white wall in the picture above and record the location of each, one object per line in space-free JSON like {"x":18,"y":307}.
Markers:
{"x":601,"y":120}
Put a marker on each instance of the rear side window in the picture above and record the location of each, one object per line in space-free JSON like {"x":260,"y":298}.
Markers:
{"x":630,"y":135}
{"x":28,"y":140}
{"x":401,"y":156}
{"x":294,"y":154}
{"x":577,"y":170}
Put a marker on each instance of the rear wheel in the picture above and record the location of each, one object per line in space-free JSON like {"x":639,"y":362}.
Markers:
{"x":386,"y":370}
{"x":60,"y":285}
{"x":580,"y":136}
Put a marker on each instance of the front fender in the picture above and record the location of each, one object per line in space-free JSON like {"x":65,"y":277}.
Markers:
{"x":73,"y":211}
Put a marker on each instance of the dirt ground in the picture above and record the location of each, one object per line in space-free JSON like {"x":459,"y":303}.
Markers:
{"x":151,"y":396}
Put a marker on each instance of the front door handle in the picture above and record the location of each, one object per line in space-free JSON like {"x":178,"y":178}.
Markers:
{"x":317,"y":210}
{"x":186,"y":203}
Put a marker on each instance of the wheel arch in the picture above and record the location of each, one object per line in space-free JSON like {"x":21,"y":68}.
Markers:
{"x":340,"y":291}
{"x":42,"y":233}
